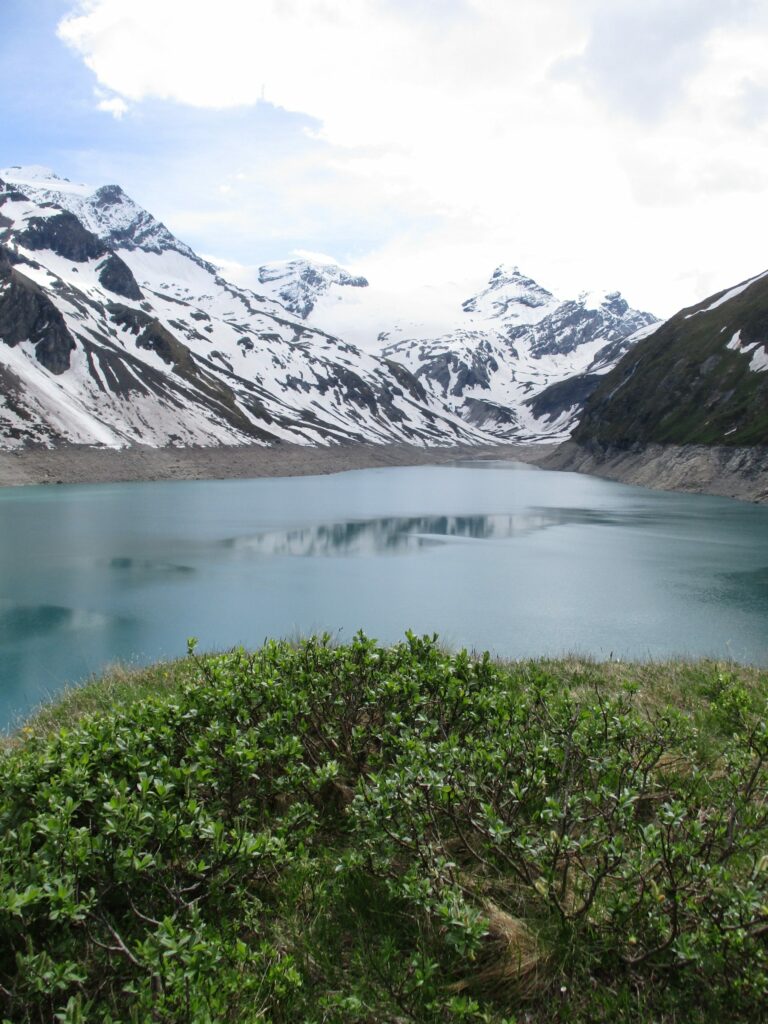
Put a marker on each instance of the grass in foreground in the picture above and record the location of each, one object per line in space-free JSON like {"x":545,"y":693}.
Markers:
{"x":358,"y":834}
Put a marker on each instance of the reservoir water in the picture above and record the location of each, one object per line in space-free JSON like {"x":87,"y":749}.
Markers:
{"x":490,"y":555}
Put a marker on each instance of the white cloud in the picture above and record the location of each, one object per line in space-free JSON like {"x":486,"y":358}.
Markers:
{"x":606,"y":142}
{"x":314,"y":256}
{"x":642,"y":52}
{"x":116,"y":106}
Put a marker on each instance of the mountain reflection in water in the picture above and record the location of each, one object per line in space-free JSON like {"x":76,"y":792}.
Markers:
{"x":399,"y":534}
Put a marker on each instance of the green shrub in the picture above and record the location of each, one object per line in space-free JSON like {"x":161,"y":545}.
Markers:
{"x":361,"y":834}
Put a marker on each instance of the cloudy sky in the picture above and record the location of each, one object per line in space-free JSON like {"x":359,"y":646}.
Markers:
{"x":596,"y":143}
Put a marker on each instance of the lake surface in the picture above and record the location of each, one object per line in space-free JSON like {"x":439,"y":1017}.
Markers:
{"x":490,"y":555}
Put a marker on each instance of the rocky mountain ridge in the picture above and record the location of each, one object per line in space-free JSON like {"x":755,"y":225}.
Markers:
{"x":107,"y":212}
{"x":112,"y":332}
{"x":516,"y":361}
{"x":527,"y":361}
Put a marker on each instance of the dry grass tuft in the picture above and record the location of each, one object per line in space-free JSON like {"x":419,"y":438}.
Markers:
{"x":511,"y":962}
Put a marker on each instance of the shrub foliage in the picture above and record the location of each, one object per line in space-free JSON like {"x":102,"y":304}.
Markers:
{"x":361,"y":834}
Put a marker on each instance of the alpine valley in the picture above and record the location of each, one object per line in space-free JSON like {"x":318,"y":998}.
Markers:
{"x":114,"y":333}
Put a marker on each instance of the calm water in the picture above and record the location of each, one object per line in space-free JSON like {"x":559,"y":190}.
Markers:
{"x":489,"y":555}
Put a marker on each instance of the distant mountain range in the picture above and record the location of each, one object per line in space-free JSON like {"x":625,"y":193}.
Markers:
{"x":300,"y":284}
{"x":525,"y":366}
{"x":114,"y":332}
{"x":513,"y":361}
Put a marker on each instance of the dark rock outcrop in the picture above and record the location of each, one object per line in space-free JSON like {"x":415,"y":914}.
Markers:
{"x":408,"y":381}
{"x":483,"y":413}
{"x":563,"y":396}
{"x":63,"y":234}
{"x":125,"y":316}
{"x":157,"y":338}
{"x":27,"y":314}
{"x":117,"y":277}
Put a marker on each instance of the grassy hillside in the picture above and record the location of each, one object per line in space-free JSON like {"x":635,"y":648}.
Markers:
{"x":357,"y":834}
{"x":682,"y":385}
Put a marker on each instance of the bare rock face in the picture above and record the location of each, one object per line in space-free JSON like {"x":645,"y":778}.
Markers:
{"x":63,"y":234}
{"x":733,"y":472}
{"x":27,"y":314}
{"x":117,"y":276}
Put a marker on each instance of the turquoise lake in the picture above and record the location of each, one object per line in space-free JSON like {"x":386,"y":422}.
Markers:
{"x":490,"y":555}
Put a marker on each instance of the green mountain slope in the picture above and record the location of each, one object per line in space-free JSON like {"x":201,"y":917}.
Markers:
{"x":701,"y":378}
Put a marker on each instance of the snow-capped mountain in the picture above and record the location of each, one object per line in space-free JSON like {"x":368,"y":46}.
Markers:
{"x":346,"y":304}
{"x":114,"y":332}
{"x":513,"y":359}
{"x":299,"y":284}
{"x":510,"y":298}
{"x":107,"y":212}
{"x":526,"y":361}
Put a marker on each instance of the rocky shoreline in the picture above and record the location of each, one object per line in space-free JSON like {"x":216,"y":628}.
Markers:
{"x":720,"y":470}
{"x":740,"y":473}
{"x":80,"y":464}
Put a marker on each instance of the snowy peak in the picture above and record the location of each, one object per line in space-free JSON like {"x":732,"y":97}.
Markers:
{"x":512,"y":297}
{"x":299,"y":283}
{"x":107,"y":211}
{"x":612,"y":302}
{"x":527,"y":361}
{"x":114,"y":216}
{"x":43,"y":178}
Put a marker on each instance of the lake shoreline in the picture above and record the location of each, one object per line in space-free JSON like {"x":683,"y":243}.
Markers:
{"x":719,"y":470}
{"x":735,"y":473}
{"x":82,"y":464}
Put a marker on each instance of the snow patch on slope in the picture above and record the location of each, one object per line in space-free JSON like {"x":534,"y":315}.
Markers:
{"x":759,"y":361}
{"x":725,"y":297}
